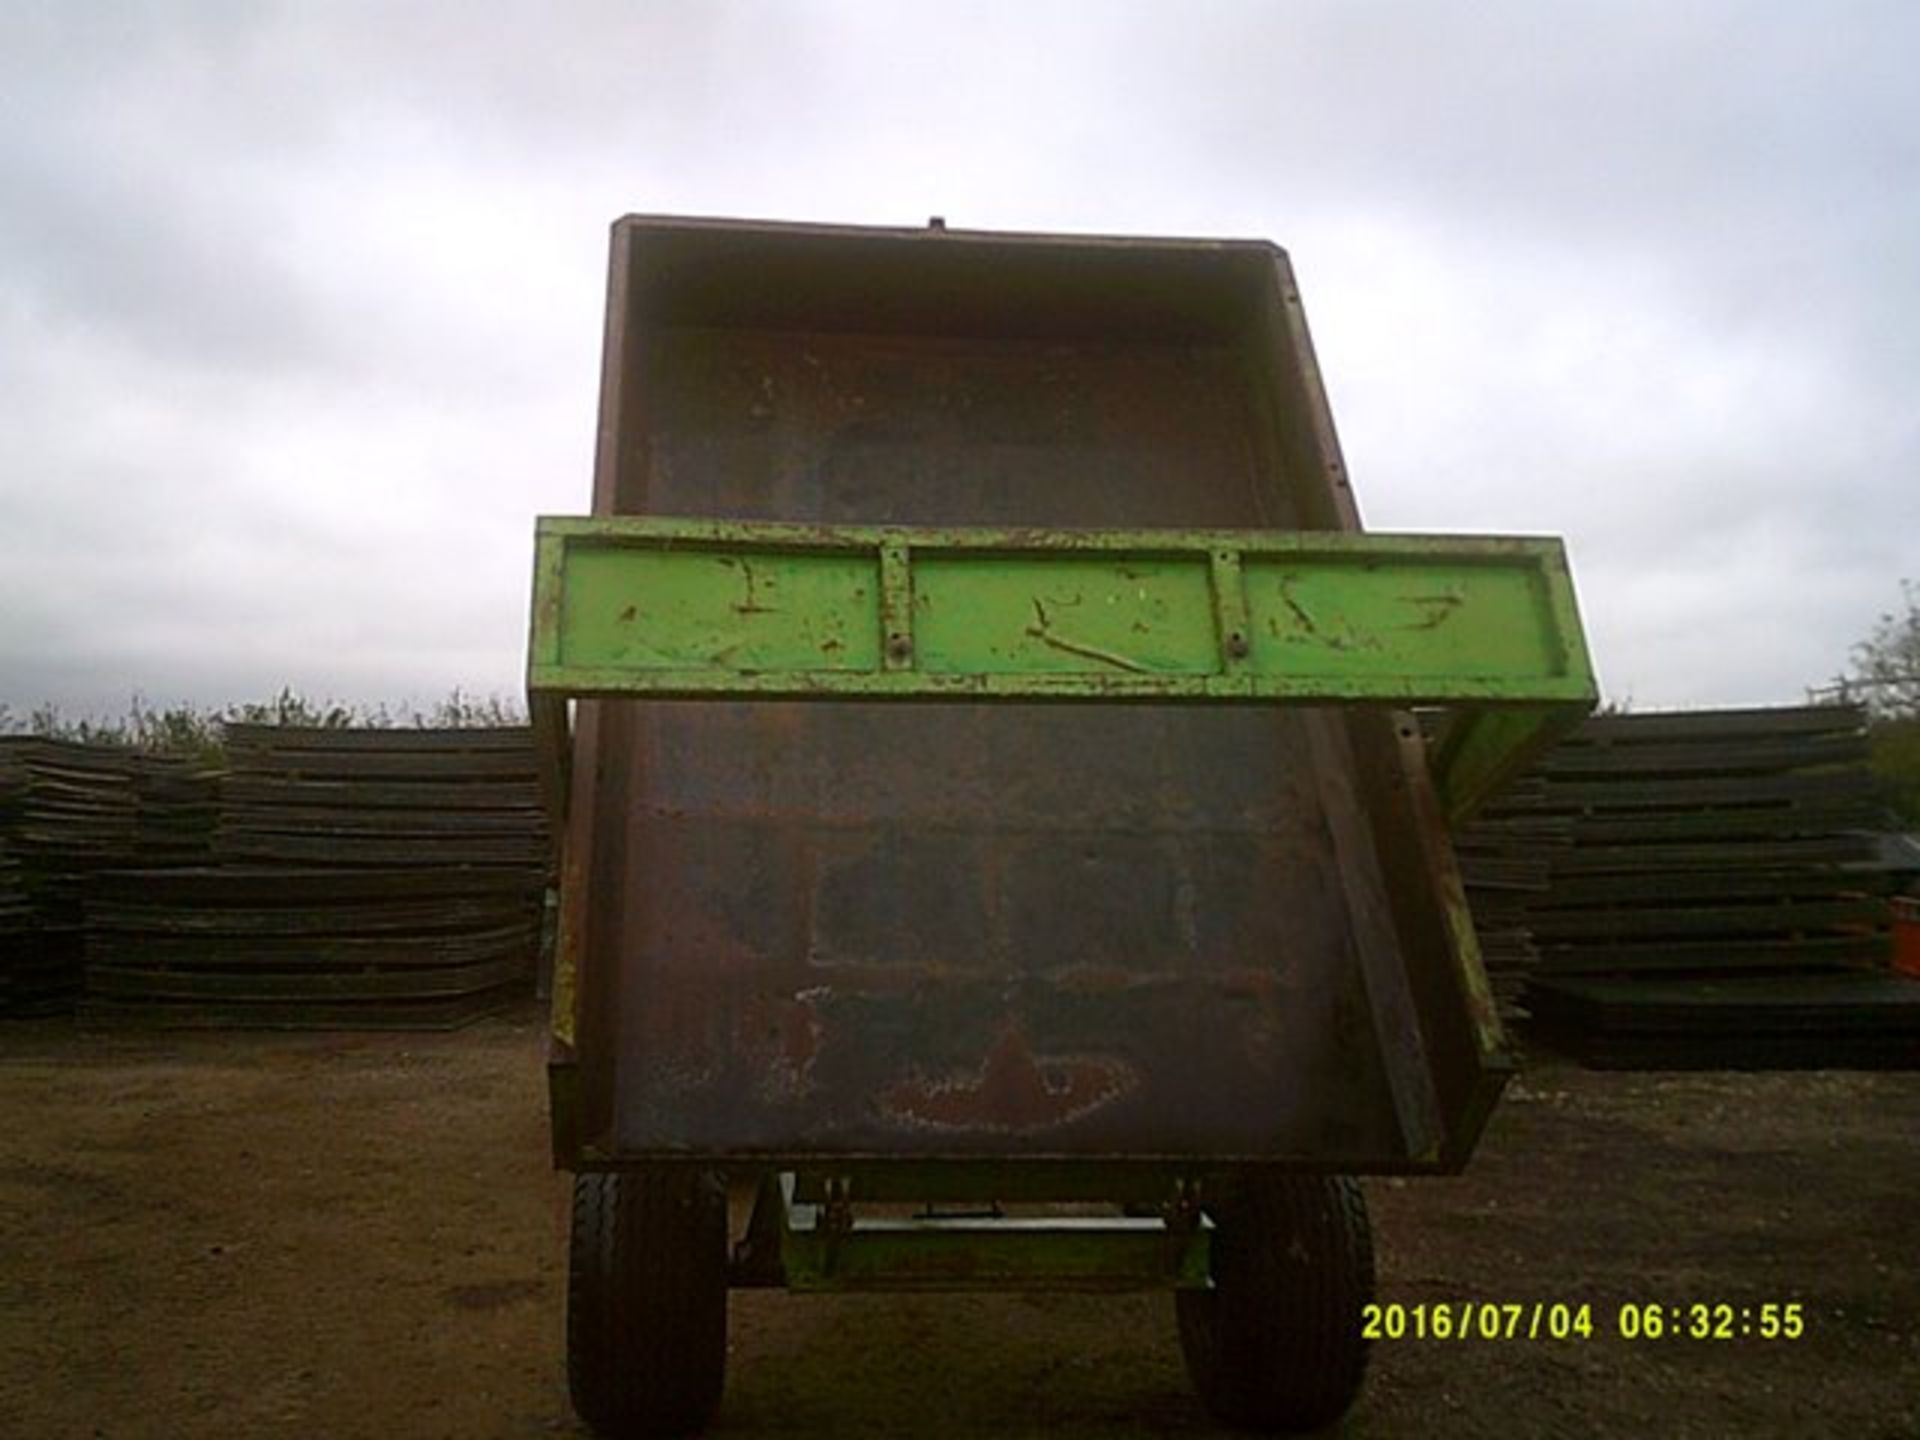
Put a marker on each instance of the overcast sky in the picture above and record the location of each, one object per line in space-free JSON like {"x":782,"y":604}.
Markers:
{"x":300,"y":303}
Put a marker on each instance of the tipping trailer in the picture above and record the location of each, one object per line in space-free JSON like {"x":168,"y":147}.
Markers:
{"x":996,"y":847}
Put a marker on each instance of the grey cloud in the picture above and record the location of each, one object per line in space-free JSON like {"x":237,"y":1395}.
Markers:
{"x":299,"y":304}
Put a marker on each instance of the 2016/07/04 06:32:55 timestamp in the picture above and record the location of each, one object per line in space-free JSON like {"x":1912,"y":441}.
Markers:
{"x":1549,"y":1320}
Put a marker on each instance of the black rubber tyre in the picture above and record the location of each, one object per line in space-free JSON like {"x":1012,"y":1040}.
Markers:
{"x":647,"y":1301}
{"x":1276,"y":1344}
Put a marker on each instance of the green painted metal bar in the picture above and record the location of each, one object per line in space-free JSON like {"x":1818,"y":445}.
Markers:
{"x":1061,"y":1253}
{"x":899,"y":1182}
{"x":1481,"y":750}
{"x":687,"y":609}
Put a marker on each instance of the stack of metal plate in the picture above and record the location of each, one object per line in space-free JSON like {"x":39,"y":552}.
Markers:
{"x":1506,"y":863}
{"x":177,"y":808}
{"x":67,"y":811}
{"x":68,"y":807}
{"x":15,"y":911}
{"x":1856,"y":1020}
{"x":16,"y":926}
{"x":378,"y":797}
{"x":361,"y":948}
{"x":1713,"y":839}
{"x":364,"y":878}
{"x":1720,"y":871}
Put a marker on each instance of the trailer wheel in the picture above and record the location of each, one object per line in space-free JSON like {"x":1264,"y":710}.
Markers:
{"x":1276,"y":1344}
{"x":647,"y":1301}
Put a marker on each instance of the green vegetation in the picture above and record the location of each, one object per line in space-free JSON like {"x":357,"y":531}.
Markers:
{"x":198,"y":732}
{"x":1885,"y":677}
{"x":1896,"y":760}
{"x":1886,"y":665}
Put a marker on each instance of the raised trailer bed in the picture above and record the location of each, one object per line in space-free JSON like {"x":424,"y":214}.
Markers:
{"x":979,"y":734}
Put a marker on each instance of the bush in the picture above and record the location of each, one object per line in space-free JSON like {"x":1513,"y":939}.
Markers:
{"x":199,"y":732}
{"x":1896,"y":762}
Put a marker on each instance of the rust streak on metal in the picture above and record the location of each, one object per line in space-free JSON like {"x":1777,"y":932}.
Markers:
{"x":784,"y":1038}
{"x":1014,"y":1090}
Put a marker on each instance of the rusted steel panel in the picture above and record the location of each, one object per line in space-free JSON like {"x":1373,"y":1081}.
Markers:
{"x":1007,"y":930}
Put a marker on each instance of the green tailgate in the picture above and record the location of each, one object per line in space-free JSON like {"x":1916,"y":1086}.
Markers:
{"x":681,"y":609}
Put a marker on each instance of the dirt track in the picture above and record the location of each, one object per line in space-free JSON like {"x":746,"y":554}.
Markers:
{"x":237,"y":1235}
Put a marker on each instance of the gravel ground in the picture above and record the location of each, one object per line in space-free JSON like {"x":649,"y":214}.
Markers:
{"x":343,"y":1236}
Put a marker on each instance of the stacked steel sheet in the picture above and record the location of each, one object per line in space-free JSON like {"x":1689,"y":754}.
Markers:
{"x":1506,"y":864}
{"x":16,"y":912}
{"x":382,"y":797}
{"x":69,"y":807}
{"x":16,"y":928}
{"x":365,"y":878}
{"x":67,"y":811}
{"x":1711,"y":854}
{"x":176,"y":806}
{"x":359,"y":948}
{"x":1851,"y":1019}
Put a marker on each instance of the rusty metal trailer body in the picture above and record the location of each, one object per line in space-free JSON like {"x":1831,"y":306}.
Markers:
{"x":979,"y":730}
